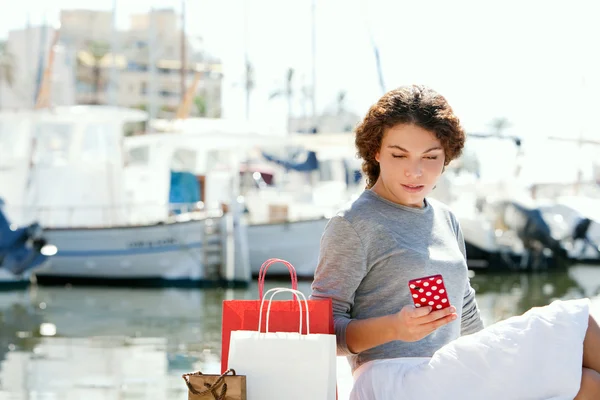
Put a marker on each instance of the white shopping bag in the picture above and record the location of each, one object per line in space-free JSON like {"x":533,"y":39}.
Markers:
{"x":284,"y":365}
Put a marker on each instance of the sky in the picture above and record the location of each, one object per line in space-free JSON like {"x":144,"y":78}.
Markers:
{"x":533,"y":62}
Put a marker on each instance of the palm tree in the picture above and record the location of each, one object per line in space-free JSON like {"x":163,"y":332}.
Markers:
{"x":7,"y":67}
{"x":341,"y":102}
{"x":249,"y":86}
{"x":499,"y":125}
{"x":200,"y":103}
{"x":98,"y":50}
{"x":287,"y":91}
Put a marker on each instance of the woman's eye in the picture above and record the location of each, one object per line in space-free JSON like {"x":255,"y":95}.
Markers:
{"x":432,"y":158}
{"x":396,"y":156}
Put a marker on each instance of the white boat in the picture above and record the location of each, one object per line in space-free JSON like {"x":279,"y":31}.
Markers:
{"x":284,"y":220}
{"x":171,"y":250}
{"x":109,"y":214}
{"x":297,"y":242}
{"x":562,"y":202}
{"x":287,"y":219}
{"x":565,"y":213}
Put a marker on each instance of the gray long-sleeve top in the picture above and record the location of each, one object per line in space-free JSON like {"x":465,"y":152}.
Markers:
{"x":368,"y":254}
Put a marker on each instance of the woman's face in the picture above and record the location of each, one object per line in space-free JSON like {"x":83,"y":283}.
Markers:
{"x":411,"y":159}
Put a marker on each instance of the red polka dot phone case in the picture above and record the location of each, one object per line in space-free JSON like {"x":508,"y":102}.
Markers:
{"x":429,"y":291}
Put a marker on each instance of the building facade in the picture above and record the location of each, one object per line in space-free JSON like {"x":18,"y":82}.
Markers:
{"x":139,"y":68}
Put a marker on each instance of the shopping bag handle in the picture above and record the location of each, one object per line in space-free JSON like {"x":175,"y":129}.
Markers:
{"x":263,"y":271}
{"x":281,"y":290}
{"x":209,"y":388}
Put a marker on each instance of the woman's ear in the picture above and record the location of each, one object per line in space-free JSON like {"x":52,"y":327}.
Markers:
{"x":377,"y":156}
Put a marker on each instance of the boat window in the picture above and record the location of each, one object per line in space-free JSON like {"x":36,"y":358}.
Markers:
{"x":98,"y":143}
{"x":138,"y":156}
{"x":326,"y":172}
{"x":184,"y":160}
{"x":217,"y":159}
{"x":52,"y":145}
{"x":13,"y":143}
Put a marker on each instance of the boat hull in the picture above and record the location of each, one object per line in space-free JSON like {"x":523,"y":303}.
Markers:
{"x":170,"y":251}
{"x":297,"y":242}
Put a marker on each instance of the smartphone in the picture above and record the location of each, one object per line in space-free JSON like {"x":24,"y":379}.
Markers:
{"x":429,"y":291}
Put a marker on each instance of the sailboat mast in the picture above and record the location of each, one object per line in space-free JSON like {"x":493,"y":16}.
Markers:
{"x":41,"y":56}
{"x":247,"y":67}
{"x":183,"y":51}
{"x":45,"y":87}
{"x":314,"y":62}
{"x":151,"y":85}
{"x":114,"y":51}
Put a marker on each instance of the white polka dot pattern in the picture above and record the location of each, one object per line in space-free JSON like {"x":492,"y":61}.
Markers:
{"x":429,"y":291}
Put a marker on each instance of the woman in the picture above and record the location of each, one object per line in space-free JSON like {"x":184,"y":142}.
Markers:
{"x":394,"y":233}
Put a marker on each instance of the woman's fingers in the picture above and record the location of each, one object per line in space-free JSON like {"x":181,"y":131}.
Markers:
{"x":435,"y":315}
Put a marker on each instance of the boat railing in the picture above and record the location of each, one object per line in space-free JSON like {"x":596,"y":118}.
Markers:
{"x":103,"y":216}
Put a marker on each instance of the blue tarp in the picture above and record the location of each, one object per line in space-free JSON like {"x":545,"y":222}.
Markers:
{"x":311,"y":163}
{"x":184,"y":188}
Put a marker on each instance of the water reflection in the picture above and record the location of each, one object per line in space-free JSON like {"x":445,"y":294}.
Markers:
{"x":124,"y":344}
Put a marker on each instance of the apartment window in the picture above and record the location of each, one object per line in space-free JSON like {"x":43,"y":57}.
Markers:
{"x":169,"y":93}
{"x":144,"y":88}
{"x":84,"y":87}
{"x":133,"y":66}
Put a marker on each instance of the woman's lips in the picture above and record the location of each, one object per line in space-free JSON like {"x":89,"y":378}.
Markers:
{"x":413,"y":188}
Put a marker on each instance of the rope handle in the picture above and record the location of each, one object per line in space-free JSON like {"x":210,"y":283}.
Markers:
{"x":263,"y":271}
{"x":275,"y":291}
{"x":209,"y":388}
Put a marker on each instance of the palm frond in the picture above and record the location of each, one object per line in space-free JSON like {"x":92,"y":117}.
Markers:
{"x":7,"y":65}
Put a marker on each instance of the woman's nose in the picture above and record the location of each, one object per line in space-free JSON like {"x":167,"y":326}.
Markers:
{"x":413,"y":170}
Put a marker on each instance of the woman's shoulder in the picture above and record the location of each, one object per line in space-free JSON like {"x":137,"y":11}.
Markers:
{"x":445,"y":211}
{"x":358,"y":208}
{"x":439,"y":206}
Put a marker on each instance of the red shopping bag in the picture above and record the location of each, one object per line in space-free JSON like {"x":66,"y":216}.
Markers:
{"x":284,"y":314}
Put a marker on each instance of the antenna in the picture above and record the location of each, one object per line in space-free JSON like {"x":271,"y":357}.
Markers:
{"x":375,"y":49}
{"x":183,"y":51}
{"x":114,"y":51}
{"x":44,"y":94}
{"x":313,"y":14}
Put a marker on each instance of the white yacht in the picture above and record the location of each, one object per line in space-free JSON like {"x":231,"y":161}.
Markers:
{"x":111,"y":216}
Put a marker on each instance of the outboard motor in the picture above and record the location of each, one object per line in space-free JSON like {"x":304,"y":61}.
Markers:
{"x":22,"y":249}
{"x":580,"y":232}
{"x":534,"y":232}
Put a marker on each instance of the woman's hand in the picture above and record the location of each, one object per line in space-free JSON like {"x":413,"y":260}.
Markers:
{"x":412,"y":324}
{"x":409,"y":325}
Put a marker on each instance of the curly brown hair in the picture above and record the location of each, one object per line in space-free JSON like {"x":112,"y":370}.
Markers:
{"x":414,"y":104}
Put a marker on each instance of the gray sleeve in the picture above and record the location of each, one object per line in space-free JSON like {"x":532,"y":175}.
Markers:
{"x":342,"y":266}
{"x":471,"y":318}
